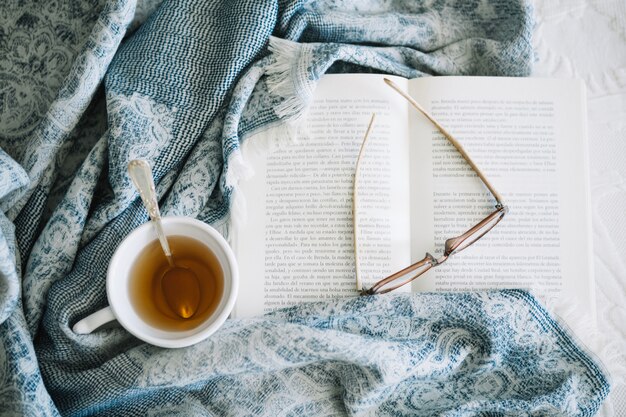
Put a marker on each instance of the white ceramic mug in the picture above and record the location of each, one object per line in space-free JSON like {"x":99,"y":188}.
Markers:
{"x":118,"y":274}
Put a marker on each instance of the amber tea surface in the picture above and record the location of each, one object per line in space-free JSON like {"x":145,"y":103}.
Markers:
{"x":146,"y":291}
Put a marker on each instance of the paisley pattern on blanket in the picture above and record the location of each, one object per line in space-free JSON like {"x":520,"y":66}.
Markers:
{"x":87,"y":85}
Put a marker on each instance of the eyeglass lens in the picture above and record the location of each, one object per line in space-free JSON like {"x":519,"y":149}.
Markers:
{"x":476,"y":233}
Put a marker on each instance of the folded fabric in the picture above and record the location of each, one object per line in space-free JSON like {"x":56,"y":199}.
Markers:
{"x":87,"y":86}
{"x":493,"y":353}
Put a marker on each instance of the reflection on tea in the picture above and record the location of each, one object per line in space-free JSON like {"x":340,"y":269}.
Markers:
{"x":147,"y":292}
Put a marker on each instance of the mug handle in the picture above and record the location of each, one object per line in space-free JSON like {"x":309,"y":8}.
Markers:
{"x":93,"y":321}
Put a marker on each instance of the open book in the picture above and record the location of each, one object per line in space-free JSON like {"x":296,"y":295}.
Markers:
{"x":416,"y":191}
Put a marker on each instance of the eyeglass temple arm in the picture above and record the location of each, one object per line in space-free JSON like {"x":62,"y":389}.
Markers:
{"x":452,"y":140}
{"x":355,"y":219}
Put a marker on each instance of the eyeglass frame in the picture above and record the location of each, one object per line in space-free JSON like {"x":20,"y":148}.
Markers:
{"x":453,"y":244}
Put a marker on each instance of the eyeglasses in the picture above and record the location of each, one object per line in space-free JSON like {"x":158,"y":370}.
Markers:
{"x":453,"y":245}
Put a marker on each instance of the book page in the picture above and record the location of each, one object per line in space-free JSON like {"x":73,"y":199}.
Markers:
{"x":297,"y":242}
{"x":529,"y":138}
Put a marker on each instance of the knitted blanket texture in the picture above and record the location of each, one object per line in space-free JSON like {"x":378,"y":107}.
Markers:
{"x":87,"y":85}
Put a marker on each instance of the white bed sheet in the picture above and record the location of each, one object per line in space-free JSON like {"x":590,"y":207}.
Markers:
{"x":587,"y":39}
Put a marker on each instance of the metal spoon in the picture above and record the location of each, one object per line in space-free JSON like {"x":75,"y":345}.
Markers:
{"x":180,"y":285}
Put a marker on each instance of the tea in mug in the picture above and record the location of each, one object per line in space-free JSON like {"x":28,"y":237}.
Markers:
{"x":147,"y":294}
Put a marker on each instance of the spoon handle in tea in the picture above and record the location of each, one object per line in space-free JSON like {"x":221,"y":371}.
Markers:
{"x":141,"y":175}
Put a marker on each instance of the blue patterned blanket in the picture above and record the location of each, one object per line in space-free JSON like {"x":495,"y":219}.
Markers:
{"x":87,"y":85}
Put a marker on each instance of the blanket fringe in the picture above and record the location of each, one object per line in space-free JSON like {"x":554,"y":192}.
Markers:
{"x":237,"y":170}
{"x":287,"y":78}
{"x":587,"y":333}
